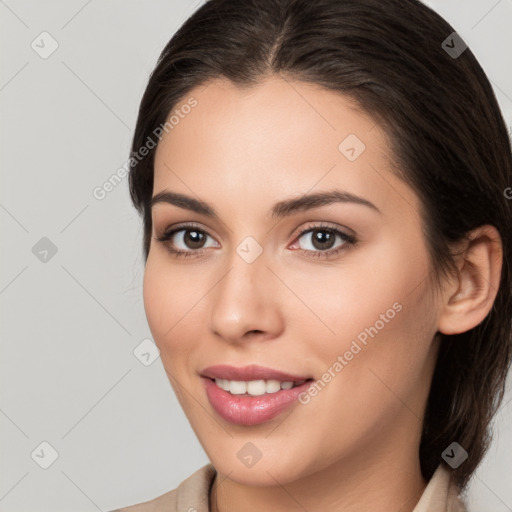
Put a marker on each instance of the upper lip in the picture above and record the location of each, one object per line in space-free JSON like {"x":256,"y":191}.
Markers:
{"x":248,"y":373}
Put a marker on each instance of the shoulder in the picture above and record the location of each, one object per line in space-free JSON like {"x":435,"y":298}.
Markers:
{"x":190,"y":496}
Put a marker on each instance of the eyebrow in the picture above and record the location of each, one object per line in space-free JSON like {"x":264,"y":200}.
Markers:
{"x":279,"y":210}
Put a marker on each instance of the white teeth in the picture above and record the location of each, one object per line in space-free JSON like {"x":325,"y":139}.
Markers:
{"x":254,"y":387}
{"x":237,"y":387}
{"x":272,"y":386}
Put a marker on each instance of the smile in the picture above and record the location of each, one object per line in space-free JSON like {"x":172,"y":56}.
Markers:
{"x":252,"y":394}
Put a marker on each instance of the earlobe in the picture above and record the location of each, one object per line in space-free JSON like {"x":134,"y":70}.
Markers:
{"x":470,"y":297}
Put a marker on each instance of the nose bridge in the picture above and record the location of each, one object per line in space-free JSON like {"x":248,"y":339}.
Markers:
{"x":245,"y":299}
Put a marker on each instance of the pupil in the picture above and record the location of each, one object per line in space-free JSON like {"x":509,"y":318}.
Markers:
{"x":323,"y":239}
{"x":194,"y":239}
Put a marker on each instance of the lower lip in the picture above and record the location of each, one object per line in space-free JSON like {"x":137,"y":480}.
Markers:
{"x":251,"y":410}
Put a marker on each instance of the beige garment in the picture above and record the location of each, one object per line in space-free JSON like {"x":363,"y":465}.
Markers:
{"x":192,"y":494}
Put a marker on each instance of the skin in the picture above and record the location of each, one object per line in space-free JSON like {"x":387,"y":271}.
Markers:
{"x":354,"y":446}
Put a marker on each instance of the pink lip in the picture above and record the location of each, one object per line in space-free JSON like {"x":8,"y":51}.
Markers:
{"x":251,"y":372}
{"x":246,"y":409}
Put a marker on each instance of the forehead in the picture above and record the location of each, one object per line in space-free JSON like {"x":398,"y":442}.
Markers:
{"x":277,"y":138}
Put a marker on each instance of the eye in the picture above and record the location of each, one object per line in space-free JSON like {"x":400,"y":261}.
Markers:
{"x":190,"y":241}
{"x":185,"y":240}
{"x":320,"y":241}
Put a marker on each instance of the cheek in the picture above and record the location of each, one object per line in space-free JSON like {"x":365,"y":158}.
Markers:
{"x":169,"y":307}
{"x":169,"y":310}
{"x":374,"y":287}
{"x":378,"y":315}
{"x":156,"y":301}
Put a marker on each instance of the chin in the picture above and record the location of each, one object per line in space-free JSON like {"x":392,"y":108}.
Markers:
{"x":283,"y":465}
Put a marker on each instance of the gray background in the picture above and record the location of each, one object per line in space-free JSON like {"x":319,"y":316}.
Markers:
{"x":70,"y":323}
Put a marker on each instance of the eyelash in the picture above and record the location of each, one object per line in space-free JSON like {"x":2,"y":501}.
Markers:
{"x":349,"y":241}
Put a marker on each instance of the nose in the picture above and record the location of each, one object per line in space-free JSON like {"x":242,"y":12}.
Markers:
{"x":245,"y":302}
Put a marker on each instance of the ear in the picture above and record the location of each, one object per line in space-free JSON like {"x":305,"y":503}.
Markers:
{"x":469,"y":296}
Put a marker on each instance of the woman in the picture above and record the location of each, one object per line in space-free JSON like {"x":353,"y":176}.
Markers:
{"x":327,"y":241}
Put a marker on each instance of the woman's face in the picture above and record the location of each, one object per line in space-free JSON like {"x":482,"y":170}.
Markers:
{"x":337,"y":290}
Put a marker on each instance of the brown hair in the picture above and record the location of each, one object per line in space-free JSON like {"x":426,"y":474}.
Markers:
{"x":447,"y":135}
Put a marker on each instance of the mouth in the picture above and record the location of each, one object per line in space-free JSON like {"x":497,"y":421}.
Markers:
{"x":253,"y":394}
